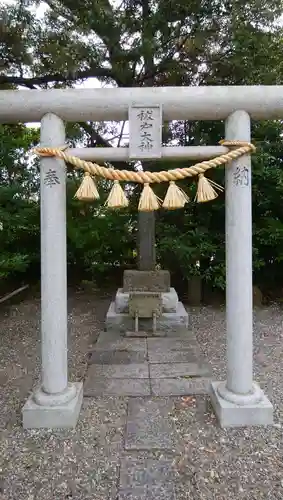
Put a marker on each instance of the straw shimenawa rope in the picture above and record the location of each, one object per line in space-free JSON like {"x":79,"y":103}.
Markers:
{"x":238,"y":148}
{"x":143,"y":177}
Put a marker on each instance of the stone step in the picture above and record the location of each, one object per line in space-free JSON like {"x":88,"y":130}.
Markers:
{"x":179,"y":343}
{"x":106,"y":343}
{"x":102,"y":386}
{"x":169,"y":356}
{"x":108,"y":357}
{"x":180,"y":386}
{"x":176,"y":370}
{"x":144,"y":335}
{"x":133,"y":370}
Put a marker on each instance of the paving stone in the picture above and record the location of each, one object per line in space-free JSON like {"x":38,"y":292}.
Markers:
{"x":179,"y":386}
{"x":117,"y":357}
{"x":135,"y":493}
{"x":173,"y":344}
{"x":170,"y":370}
{"x":168,"y":356}
{"x":149,"y":425}
{"x":116,"y":387}
{"x":166,"y":492}
{"x":109,"y":336}
{"x":103,"y":343}
{"x":145,"y":472}
{"x":134,"y":370}
{"x":145,"y":334}
{"x":146,"y":479}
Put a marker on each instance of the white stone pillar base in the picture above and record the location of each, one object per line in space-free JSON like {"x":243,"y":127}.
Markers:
{"x":44,"y":411}
{"x":252,"y":409}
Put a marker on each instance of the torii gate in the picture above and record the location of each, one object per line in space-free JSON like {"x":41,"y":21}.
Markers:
{"x":237,"y":401}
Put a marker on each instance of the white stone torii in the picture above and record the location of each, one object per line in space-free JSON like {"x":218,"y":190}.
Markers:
{"x":57,"y":403}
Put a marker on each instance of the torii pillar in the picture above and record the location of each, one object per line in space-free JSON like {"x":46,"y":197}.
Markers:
{"x":239,"y":401}
{"x":56,"y":403}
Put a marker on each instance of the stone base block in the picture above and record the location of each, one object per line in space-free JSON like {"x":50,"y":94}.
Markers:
{"x":169,"y":301}
{"x":168,"y":322}
{"x":35,"y":416}
{"x":232,"y":415}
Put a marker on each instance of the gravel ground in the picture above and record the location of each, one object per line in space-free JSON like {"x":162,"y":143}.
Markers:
{"x":235,"y":463}
{"x":83,"y":464}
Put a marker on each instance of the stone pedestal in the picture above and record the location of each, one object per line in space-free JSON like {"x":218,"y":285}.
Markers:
{"x":173,"y":318}
{"x":52,"y":412}
{"x":236,"y":410}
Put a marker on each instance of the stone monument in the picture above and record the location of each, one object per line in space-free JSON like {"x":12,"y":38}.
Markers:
{"x":147,"y":305}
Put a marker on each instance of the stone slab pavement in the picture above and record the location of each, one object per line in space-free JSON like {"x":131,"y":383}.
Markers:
{"x":146,"y":367}
{"x":150,"y":373}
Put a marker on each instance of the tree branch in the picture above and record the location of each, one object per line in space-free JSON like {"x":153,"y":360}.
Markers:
{"x":161,"y":67}
{"x":58,"y":77}
{"x":97,"y":140}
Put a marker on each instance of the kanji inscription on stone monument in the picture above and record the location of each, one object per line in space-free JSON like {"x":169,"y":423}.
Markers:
{"x":145,"y":124}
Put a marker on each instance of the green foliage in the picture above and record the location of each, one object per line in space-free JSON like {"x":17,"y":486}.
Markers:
{"x":188,"y":247}
{"x":99,"y":240}
{"x":19,"y":211}
{"x":19,"y":233}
